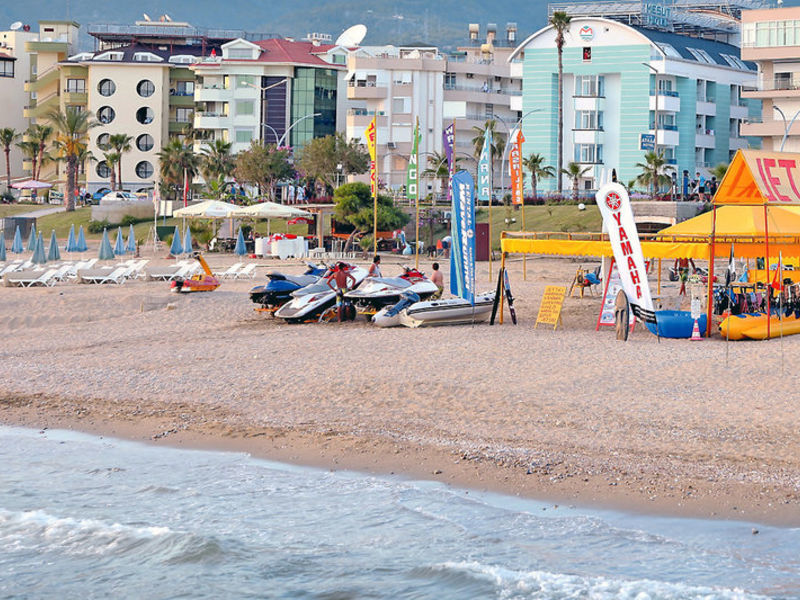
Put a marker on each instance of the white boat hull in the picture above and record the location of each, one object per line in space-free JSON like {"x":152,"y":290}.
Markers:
{"x":453,"y":311}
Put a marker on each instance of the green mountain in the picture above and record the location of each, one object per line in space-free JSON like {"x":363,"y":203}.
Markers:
{"x":442,"y":23}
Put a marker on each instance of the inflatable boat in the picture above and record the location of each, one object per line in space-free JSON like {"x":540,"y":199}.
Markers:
{"x":676,"y":324}
{"x":753,"y":326}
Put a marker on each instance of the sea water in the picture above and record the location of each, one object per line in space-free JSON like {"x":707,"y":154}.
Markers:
{"x":88,"y":517}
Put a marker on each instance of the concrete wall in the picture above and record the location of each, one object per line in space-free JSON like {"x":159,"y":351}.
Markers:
{"x":114,"y":211}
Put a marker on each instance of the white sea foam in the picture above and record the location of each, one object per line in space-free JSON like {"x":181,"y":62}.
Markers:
{"x":518,"y":585}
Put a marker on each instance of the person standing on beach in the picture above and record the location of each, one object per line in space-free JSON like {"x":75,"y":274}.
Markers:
{"x":438,"y":280}
{"x":343,"y":279}
{"x":375,"y":267}
{"x":682,"y":269}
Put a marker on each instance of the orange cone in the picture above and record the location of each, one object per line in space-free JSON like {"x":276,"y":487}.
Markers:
{"x":695,"y":332}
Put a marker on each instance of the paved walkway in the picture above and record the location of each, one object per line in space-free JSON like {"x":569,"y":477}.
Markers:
{"x":43,"y":212}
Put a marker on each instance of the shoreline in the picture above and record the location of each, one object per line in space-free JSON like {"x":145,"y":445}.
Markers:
{"x":568,"y":416}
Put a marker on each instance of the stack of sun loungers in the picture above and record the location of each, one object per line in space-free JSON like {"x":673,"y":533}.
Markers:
{"x":24,"y":274}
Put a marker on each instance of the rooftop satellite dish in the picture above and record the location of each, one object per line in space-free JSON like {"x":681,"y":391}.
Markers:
{"x":16,"y":25}
{"x":352,"y":36}
{"x":146,"y":17}
{"x":168,"y":18}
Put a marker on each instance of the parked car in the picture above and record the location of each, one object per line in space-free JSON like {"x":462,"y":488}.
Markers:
{"x":119,"y":196}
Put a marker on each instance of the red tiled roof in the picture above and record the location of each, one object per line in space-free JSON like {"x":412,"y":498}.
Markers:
{"x":7,"y":56}
{"x":284,"y":51}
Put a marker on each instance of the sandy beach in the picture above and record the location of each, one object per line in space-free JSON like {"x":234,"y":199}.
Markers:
{"x":571,"y":415}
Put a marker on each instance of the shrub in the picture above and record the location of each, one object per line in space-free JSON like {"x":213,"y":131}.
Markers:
{"x":98,"y":226}
{"x":131,"y":220}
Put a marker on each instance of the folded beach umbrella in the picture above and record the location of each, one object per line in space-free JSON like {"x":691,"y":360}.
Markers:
{"x":72,"y":245}
{"x":131,"y":247}
{"x":240,"y":249}
{"x":16,"y":245}
{"x":2,"y":245}
{"x":52,"y":252}
{"x":177,"y":246}
{"x":119,"y":243}
{"x":82,"y":247}
{"x":106,"y":252}
{"x":32,"y":239}
{"x":187,"y":241}
{"x":39,"y":257}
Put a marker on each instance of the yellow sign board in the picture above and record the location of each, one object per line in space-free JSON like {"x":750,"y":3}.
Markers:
{"x":550,"y":309}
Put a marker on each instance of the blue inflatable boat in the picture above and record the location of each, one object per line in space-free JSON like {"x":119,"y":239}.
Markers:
{"x":676,"y":324}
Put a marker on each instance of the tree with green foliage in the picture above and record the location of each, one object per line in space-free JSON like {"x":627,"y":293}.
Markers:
{"x":8,"y":137}
{"x":39,"y":136}
{"x":354,"y":205}
{"x":264,"y":166}
{"x":30,"y":151}
{"x":72,"y":134}
{"x":438,"y":168}
{"x":112,"y":160}
{"x":719,"y":171}
{"x":216,"y":161}
{"x":321,"y":158}
{"x":177,"y":161}
{"x":654,"y":172}
{"x":575,"y":171}
{"x":538,"y":170}
{"x":121,"y":143}
{"x":560,"y":21}
{"x":499,"y":142}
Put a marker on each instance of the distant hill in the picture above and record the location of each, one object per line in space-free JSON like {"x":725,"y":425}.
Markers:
{"x":442,"y":23}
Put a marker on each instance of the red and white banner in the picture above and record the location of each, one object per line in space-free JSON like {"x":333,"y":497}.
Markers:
{"x":615,"y":206}
{"x":515,"y":166}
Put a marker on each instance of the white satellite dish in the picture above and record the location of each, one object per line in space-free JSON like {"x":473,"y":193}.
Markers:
{"x":146,"y":17}
{"x":168,"y":18}
{"x":16,"y":25}
{"x":352,"y":36}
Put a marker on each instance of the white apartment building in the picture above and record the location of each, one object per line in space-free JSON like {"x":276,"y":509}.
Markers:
{"x":398,"y":84}
{"x":15,"y":71}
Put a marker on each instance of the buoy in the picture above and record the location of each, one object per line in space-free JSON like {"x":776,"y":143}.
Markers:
{"x":695,"y":332}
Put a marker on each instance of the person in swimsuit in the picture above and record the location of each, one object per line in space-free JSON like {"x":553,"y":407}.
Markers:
{"x":438,"y":280}
{"x":375,"y":267}
{"x":682,"y":268}
{"x":343,"y":279}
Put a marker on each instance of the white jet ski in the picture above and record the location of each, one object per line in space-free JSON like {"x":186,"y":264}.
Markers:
{"x":411,"y":312}
{"x":311,"y":301}
{"x":376,"y":292}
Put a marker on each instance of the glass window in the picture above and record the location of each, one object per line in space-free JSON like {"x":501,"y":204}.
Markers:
{"x":145,"y":115}
{"x":145,"y":88}
{"x":103,"y":170}
{"x":244,"y":136}
{"x":449,"y":81}
{"x":6,"y":68}
{"x":245,"y":81}
{"x":145,"y":142}
{"x":102,"y":141}
{"x":106,"y":87}
{"x":144,"y":170}
{"x":589,"y":153}
{"x":589,"y":85}
{"x":245,"y":107}
{"x":184,"y":88}
{"x":105,"y":114}
{"x":183,"y":115}
{"x":241,"y":53}
{"x":77,"y":86}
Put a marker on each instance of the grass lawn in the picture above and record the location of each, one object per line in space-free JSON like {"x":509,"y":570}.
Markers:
{"x":9,"y":210}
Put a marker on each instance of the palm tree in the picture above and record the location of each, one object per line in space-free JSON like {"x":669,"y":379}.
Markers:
{"x":653,"y":172}
{"x":8,"y":137}
{"x":575,"y":171}
{"x":39,"y":135}
{"x":438,"y":167}
{"x":535,"y":164}
{"x":216,"y":161}
{"x":177,"y":161}
{"x":72,"y":133}
{"x":112,"y":160}
{"x":560,"y":22}
{"x":121,"y":143}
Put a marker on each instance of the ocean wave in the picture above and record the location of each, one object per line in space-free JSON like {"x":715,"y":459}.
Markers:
{"x":532,"y":585}
{"x":39,"y":531}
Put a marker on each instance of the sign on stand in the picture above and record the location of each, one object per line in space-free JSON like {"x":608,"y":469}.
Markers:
{"x":550,"y":309}
{"x":613,"y":286}
{"x":697,"y":290}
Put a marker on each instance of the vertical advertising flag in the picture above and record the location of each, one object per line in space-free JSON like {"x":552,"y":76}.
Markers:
{"x":412,"y":174}
{"x":615,"y":206}
{"x":370,"y":134}
{"x":485,"y":169}
{"x":515,"y":166}
{"x":448,"y":139}
{"x":462,"y":230}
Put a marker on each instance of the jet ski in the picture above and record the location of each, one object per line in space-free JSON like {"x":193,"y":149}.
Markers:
{"x":278,"y":290}
{"x":410,"y":312}
{"x":308,"y":303}
{"x":377,"y":292}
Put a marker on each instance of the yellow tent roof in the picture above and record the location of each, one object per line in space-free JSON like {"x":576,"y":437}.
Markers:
{"x":739,"y":221}
{"x":758,"y":177}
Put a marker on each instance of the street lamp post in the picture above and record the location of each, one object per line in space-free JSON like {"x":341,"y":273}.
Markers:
{"x":786,"y":127}
{"x":272,"y":129}
{"x":263,"y":98}
{"x":295,"y":122}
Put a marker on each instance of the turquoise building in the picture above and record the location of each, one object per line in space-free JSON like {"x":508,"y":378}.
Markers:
{"x":612,"y":72}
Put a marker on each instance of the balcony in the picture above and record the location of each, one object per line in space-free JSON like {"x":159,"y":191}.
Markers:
{"x":207,"y":120}
{"x":739,"y":111}
{"x":180,"y":126}
{"x":212,"y":94}
{"x":706,"y":106}
{"x":757,"y":127}
{"x":667,"y":101}
{"x":515,"y":103}
{"x":357,"y":117}
{"x":49,"y":46}
{"x":40,"y":82}
{"x":588,"y":102}
{"x":40,"y":108}
{"x":587,"y":136}
{"x":667,"y":135}
{"x":181,"y":100}
{"x":738,"y":143}
{"x":705,"y":138}
{"x":75,"y":97}
{"x":366,"y":92}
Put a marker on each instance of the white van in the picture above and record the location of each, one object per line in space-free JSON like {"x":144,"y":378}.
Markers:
{"x":119,"y":196}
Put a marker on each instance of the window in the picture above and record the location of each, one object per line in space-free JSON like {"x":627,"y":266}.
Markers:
{"x":145,"y":142}
{"x":144,"y":170}
{"x":145,"y":88}
{"x":734,"y":61}
{"x":244,"y":136}
{"x":702,"y":56}
{"x":76,"y":86}
{"x":109,"y":56}
{"x":240,"y":53}
{"x":182,"y":59}
{"x":102,"y":141}
{"x":6,"y":68}
{"x":591,"y":86}
{"x":146,"y":57}
{"x":106,"y":87}
{"x":183,"y":88}
{"x":245,"y":81}
{"x":245,"y":107}
{"x":669,"y":50}
{"x":589,"y":153}
{"x":105,"y":115}
{"x":103,"y":170}
{"x":587,"y":54}
{"x":400,"y":106}
{"x":183,"y":115}
{"x":145,"y":115}
{"x":589,"y":119}
{"x":489,"y":112}
{"x":449,"y":81}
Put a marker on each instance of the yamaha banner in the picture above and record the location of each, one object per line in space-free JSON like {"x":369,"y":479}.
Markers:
{"x":485,"y":169}
{"x":462,"y":230}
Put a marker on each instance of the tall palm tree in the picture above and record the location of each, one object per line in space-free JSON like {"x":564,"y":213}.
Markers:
{"x":216,"y":161}
{"x":39,"y":135}
{"x":653,"y":172}
{"x":30,"y":150}
{"x":72,"y":134}
{"x":560,"y":22}
{"x":575,"y":171}
{"x":535,"y":164}
{"x":8,"y":137}
{"x":112,"y":160}
{"x":121,"y":143}
{"x":438,"y":167}
{"x":177,"y":160}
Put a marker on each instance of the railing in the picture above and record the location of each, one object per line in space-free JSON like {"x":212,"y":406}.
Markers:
{"x":363,"y":112}
{"x":75,"y":90}
{"x":485,"y":90}
{"x":709,"y":99}
{"x":594,"y":95}
{"x":180,"y":93}
{"x":669,"y":93}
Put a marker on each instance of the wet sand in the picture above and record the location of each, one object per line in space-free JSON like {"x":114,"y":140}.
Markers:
{"x":570,"y":415}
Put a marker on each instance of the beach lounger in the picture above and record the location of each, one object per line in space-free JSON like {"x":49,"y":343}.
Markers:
{"x":63,"y":272}
{"x":11,"y":267}
{"x":116,"y":275}
{"x":30,"y":278}
{"x":229,"y":272}
{"x":138,"y":271}
{"x":249,"y":271}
